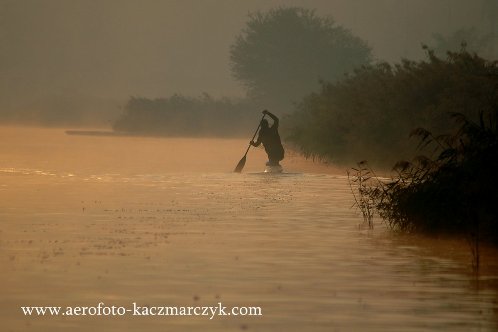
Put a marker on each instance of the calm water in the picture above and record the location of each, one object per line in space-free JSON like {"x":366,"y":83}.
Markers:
{"x":164,"y":222}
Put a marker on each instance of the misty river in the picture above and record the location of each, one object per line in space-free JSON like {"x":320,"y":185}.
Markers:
{"x":165,"y":222}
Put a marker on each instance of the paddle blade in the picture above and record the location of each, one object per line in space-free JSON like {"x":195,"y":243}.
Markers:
{"x":240,"y":165}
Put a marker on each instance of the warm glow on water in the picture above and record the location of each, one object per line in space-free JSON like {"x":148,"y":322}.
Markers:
{"x":164,"y":222}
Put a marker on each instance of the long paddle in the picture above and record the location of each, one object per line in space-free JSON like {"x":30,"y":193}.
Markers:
{"x":242,"y":161}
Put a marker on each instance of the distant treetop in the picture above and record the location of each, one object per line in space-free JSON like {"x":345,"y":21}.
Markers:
{"x":282,"y":54}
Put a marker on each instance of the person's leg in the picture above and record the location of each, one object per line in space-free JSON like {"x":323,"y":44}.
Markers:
{"x":273,"y":162}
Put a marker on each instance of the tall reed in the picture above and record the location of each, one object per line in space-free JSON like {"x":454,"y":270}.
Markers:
{"x":452,"y":190}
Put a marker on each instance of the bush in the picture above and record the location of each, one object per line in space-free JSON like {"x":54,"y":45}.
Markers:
{"x":187,"y":116}
{"x":453,"y":192}
{"x":369,"y":114}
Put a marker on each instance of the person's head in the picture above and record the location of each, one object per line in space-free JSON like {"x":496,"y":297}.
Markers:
{"x":264,"y":124}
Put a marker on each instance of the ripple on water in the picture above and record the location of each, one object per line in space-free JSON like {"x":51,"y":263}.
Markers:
{"x":289,"y":243}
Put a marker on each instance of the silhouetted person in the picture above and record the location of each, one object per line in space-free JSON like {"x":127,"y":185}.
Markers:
{"x":271,"y":140}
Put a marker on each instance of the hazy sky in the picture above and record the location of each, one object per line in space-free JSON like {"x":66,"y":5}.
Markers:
{"x":153,"y":48}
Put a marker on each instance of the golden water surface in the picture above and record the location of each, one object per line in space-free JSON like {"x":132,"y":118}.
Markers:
{"x":165,"y":222}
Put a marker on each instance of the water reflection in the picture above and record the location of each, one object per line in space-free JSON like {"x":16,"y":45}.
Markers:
{"x":290,"y":244}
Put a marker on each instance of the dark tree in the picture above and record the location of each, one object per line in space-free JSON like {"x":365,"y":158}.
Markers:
{"x":282,"y":54}
{"x":369,"y":114}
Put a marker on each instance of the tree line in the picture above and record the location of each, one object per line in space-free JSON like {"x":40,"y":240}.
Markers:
{"x":447,"y":182}
{"x":370,"y":113}
{"x":180,"y":115}
{"x":279,"y":57}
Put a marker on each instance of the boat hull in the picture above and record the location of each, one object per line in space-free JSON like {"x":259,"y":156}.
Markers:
{"x":274,"y":169}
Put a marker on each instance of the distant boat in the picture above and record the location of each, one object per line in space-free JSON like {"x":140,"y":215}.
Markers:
{"x":92,"y":133}
{"x":99,"y":133}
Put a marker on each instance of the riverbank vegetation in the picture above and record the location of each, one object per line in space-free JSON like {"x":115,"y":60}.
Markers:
{"x":278,"y":57}
{"x":179,"y":115}
{"x":452,"y":191}
{"x":370,"y":113}
{"x":455,"y":189}
{"x":451,"y":186}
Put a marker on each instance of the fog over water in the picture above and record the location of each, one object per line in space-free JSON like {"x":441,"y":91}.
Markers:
{"x":85,"y":220}
{"x":118,"y":213}
{"x":110,"y":50}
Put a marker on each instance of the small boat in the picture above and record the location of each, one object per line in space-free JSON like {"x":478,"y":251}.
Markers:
{"x":273,"y":169}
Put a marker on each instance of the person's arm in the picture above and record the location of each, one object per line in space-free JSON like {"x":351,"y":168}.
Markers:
{"x":273,"y":117}
{"x":258,"y":141}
